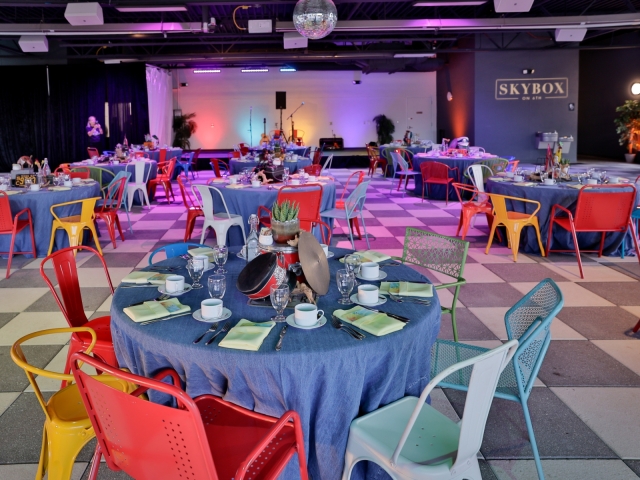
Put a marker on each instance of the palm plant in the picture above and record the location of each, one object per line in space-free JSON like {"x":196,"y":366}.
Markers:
{"x":184,"y":126}
{"x":384,"y":129}
{"x":628,"y":124}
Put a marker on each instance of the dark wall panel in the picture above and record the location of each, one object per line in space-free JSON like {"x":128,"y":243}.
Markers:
{"x":456,"y":118}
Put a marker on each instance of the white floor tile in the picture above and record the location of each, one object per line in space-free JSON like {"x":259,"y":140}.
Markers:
{"x":6,"y":399}
{"x":578,"y":469}
{"x":17,"y":299}
{"x":627,"y":352}
{"x":574,"y":294}
{"x":27,"y":322}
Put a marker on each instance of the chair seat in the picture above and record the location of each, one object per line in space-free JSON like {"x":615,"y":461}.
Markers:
{"x":519,"y":216}
{"x":71,"y":219}
{"x":336,"y":213}
{"x":442,"y":181}
{"x":20,"y":225}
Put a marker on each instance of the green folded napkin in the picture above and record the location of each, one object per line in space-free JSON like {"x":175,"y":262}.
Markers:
{"x":153,"y":309}
{"x":247,"y":335}
{"x":371,"y":256}
{"x":377,"y":324}
{"x":201,"y":251}
{"x":407,"y":289}
{"x":146,"y":277}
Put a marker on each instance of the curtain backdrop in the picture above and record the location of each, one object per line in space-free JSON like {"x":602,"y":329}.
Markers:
{"x":160,"y":96}
{"x":36,"y":123}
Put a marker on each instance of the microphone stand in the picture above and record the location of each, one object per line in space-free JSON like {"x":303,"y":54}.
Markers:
{"x":291,"y":117}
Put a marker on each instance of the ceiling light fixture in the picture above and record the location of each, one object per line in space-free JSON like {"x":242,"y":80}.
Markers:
{"x":288,"y":69}
{"x":166,"y":8}
{"x":461,"y":3}
{"x":254,"y":70}
{"x":206,"y":70}
{"x":635,"y":88}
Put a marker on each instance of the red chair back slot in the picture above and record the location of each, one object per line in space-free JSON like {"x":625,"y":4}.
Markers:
{"x":313,"y":169}
{"x":187,"y":199}
{"x":434,"y":170}
{"x":604,"y":208}
{"x":114,"y":195}
{"x":162,"y":155}
{"x":93,"y":152}
{"x":6,"y":219}
{"x":80,"y":172}
{"x":309,"y":197}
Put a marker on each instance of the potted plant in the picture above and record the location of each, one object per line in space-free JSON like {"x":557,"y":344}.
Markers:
{"x":384,"y":129}
{"x":628,"y":126}
{"x":184,"y":126}
{"x":285,"y":224}
{"x":564,"y":165}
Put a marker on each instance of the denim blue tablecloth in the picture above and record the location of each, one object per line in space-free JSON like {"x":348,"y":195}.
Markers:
{"x":245,"y":201}
{"x":302,"y":151}
{"x":548,"y":196}
{"x":323,"y":374}
{"x":40,"y":204}
{"x":151,"y":167}
{"x":171,"y":152}
{"x":237,"y":166}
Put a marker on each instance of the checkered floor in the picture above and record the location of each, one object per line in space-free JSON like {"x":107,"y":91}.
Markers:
{"x":584,"y":407}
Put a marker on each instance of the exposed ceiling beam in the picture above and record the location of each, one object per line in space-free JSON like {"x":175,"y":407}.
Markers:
{"x":64,"y":29}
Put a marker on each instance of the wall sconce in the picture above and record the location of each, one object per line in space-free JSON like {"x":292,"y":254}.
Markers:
{"x":635,"y":88}
{"x":528,"y":71}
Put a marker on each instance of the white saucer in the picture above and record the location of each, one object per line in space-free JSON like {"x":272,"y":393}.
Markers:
{"x":197,"y":315}
{"x":330,"y":255}
{"x":187,"y":288}
{"x":381,"y":276}
{"x":292,"y":322}
{"x":381,"y":300}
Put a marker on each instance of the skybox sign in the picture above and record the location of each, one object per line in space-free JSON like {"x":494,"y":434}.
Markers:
{"x":532,"y":89}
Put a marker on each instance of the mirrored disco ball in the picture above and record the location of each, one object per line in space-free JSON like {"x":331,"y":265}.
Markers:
{"x":315,"y":19}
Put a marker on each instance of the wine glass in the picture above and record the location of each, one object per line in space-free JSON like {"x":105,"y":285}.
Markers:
{"x":346,"y":282}
{"x":220,"y":255}
{"x":195,"y":267}
{"x":353,"y":263}
{"x":279,"y":299}
{"x":217,"y":285}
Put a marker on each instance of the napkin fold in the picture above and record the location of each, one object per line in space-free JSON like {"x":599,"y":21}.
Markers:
{"x":525,"y":184}
{"x":377,"y":324}
{"x":201,"y":251}
{"x":154,"y":309}
{"x":237,"y":185}
{"x":578,"y":186}
{"x":247,"y":335}
{"x":498,"y":179}
{"x":371,"y":256}
{"x":146,"y":277}
{"x":56,"y":189}
{"x":407,"y":289}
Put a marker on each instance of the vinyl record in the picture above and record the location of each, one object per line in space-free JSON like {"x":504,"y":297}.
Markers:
{"x":314,"y":263}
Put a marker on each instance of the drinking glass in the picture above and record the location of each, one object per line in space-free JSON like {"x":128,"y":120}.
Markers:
{"x":603,"y":176}
{"x":195,"y":267}
{"x":346,"y":282}
{"x":27,"y":183}
{"x":220,"y":255}
{"x":353,"y":263}
{"x":217,"y":285}
{"x":279,"y":299}
{"x":285,"y":175}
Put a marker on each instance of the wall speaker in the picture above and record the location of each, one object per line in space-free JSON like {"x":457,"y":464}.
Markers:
{"x":570,"y":34}
{"x":281,"y":100}
{"x":79,"y":14}
{"x":505,"y":6}
{"x":33,"y":43}
{"x":295,"y":40}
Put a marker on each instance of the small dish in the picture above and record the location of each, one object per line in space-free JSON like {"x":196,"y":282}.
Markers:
{"x":381,"y":300}
{"x":197,"y":315}
{"x":187,"y":288}
{"x":331,"y":255}
{"x":291,"y":321}
{"x":381,"y":276}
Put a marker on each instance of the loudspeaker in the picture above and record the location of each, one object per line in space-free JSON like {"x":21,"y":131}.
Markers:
{"x":33,"y":43}
{"x":295,"y":40}
{"x":89,"y":13}
{"x":281,"y":100}
{"x":570,"y":34}
{"x":508,"y":6}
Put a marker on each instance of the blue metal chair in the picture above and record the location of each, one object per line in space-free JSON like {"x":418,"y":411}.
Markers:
{"x":353,"y":206}
{"x":125,"y":203}
{"x":185,"y":163}
{"x":529,"y":322}
{"x":401,"y":167}
{"x":175,"y":249}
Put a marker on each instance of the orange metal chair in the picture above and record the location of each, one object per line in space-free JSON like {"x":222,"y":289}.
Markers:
{"x":12,"y":225}
{"x":438,"y":173}
{"x":66,"y":272}
{"x":108,"y":210}
{"x":600,"y":208}
{"x":375,"y":161}
{"x":93,"y":152}
{"x":67,"y":428}
{"x":63,"y":168}
{"x":471,"y":207}
{"x":80,"y":172}
{"x":216,"y":164}
{"x":165,"y":173}
{"x":514,"y":222}
{"x":75,"y":224}
{"x":193,"y":210}
{"x":204,"y":438}
{"x":512,"y":166}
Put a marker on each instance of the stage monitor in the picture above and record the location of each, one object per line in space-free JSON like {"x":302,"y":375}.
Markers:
{"x":281,"y":100}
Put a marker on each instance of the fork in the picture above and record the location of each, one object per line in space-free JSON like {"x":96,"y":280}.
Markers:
{"x":162,"y":319}
{"x":212,"y":329}
{"x":225,"y":329}
{"x":162,"y":297}
{"x":341,"y":326}
{"x":409,"y":300}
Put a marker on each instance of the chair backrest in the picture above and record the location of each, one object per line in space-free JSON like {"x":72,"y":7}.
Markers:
{"x":434,"y":170}
{"x":141,"y":155}
{"x":512,"y":165}
{"x":93,"y":152}
{"x":478,"y":174}
{"x":162,"y":155}
{"x":309,"y":198}
{"x":206,"y":199}
{"x":6,"y":218}
{"x":127,"y":177}
{"x":355,"y":201}
{"x":462,"y":188}
{"x":186,"y":196}
{"x":115,"y":193}
{"x":174,"y":249}
{"x":314,"y":169}
{"x":359,"y":174}
{"x":317,"y":156}
{"x":101,"y":175}
{"x":80,"y":172}
{"x":142,"y":438}
{"x":168,"y":168}
{"x":399,"y":163}
{"x":141,"y":171}
{"x":215,"y":166}
{"x":436,"y":252}
{"x":66,"y":272}
{"x":604,"y":208}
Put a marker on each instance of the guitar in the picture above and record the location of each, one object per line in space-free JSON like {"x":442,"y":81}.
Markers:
{"x":264,"y":138}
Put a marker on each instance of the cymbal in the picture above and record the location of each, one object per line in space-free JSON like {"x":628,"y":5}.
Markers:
{"x":314,"y":263}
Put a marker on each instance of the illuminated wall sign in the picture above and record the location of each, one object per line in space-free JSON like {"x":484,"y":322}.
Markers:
{"x":532,"y":89}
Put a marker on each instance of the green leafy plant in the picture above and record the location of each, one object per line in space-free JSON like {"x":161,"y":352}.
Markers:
{"x":184,"y":126}
{"x":384,"y":129}
{"x":285,"y":211}
{"x":628,"y":124}
{"x":564,"y":161}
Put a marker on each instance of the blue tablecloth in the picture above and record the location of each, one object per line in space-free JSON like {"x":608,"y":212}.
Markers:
{"x":236,"y":166}
{"x":323,"y":374}
{"x":413,"y":149}
{"x":437,"y":191}
{"x":302,"y":151}
{"x":245,"y":201}
{"x":171,"y":152}
{"x":548,"y":196}
{"x":40,"y":204}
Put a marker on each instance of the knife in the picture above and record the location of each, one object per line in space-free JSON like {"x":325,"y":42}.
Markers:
{"x":282,"y":333}
{"x":392,"y":315}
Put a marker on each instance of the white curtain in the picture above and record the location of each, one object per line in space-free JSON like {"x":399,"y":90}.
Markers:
{"x":160,"y":96}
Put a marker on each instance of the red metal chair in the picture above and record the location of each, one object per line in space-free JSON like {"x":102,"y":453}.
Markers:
{"x":12,"y":225}
{"x":193,"y":210}
{"x":165,"y":172}
{"x":512,"y":166}
{"x":471,"y":208}
{"x":71,"y":306}
{"x":162,"y":155}
{"x":80,"y":172}
{"x":314,"y":169}
{"x":600,"y":208}
{"x":317,"y":156}
{"x":107,"y":211}
{"x":142,"y":155}
{"x":204,"y":438}
{"x":375,"y":161}
{"x":93,"y":152}
{"x":438,"y":173}
{"x":216,"y":164}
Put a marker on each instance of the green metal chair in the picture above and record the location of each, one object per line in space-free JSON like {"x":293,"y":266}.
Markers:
{"x":529,"y":322}
{"x":101,"y":175}
{"x":496,"y":165}
{"x":441,"y":254}
{"x":124,"y":203}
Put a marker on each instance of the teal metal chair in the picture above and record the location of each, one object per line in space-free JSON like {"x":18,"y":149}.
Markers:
{"x":353,"y":207}
{"x":185,"y":163}
{"x":635,"y":218}
{"x":529,"y":322}
{"x":124,"y":204}
{"x":401,"y":168}
{"x":175,"y":249}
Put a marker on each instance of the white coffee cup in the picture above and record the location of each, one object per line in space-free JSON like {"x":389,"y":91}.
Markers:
{"x":116,"y":162}
{"x":307,"y":314}
{"x":256,"y":183}
{"x":68,"y":183}
{"x":367,"y":294}
{"x":76,"y":180}
{"x":614,"y":180}
{"x":265,"y":239}
{"x":592,"y":181}
{"x":549,"y":181}
{"x":174,"y":283}
{"x":211,"y":308}
{"x":277,"y":162}
{"x":35,"y":187}
{"x":16,"y":166}
{"x":233,"y":179}
{"x":313,"y":178}
{"x":325,"y":248}
{"x":370,"y":270}
{"x":202,"y":258}
{"x":294,"y":181}
{"x":294,"y":157}
{"x":518,"y":178}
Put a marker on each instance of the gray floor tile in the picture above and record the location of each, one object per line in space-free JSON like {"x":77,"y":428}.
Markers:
{"x":620,"y":293}
{"x":633,"y":465}
{"x":563,"y":470}
{"x":469,"y":327}
{"x":92,"y":298}
{"x":579,"y":363}
{"x":161,"y":216}
{"x":5,"y":317}
{"x":599,"y":323}
{"x":139,"y":234}
{"x":18,"y":261}
{"x":489,"y":295}
{"x":440,"y":221}
{"x":13,"y":378}
{"x":631,"y":269}
{"x":523,"y":272}
{"x":106,"y":474}
{"x":115,"y":259}
{"x":25,"y":279}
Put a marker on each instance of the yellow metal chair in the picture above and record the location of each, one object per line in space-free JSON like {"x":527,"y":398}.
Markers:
{"x":75,"y":224}
{"x":67,"y":427}
{"x":514,"y":222}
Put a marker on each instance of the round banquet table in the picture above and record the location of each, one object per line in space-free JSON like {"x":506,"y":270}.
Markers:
{"x":323,"y":374}
{"x":302,"y":151}
{"x":171,"y":152}
{"x":40,"y":205}
{"x":150,"y":168}
{"x":245,"y":201}
{"x":415,"y":149}
{"x":548,"y":196}
{"x":236,"y":166}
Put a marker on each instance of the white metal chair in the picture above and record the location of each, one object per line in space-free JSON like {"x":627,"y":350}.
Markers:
{"x":401,"y":167}
{"x":353,"y":206}
{"x":141,"y":172}
{"x":410,"y":439}
{"x":327,"y":165}
{"x":478,"y":174}
{"x":220,"y":222}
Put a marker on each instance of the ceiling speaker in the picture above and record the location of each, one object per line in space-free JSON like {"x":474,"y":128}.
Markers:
{"x":505,"y":6}
{"x":33,"y":43}
{"x":295,"y":40}
{"x":570,"y":34}
{"x":79,"y":14}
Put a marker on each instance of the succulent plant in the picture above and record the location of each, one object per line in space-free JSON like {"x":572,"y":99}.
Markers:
{"x":285,"y":211}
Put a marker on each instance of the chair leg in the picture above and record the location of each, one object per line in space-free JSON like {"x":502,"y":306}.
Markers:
{"x":364,"y":227}
{"x":145,"y":198}
{"x":532,"y":439}
{"x":119,"y":227}
{"x":92,"y":228}
{"x":95,"y":463}
{"x":601,"y":244}
{"x":11,"y":247}
{"x":515,"y":243}
{"x":535,"y":225}
{"x":575,"y":242}
{"x":446,"y":185}
{"x":353,"y":245}
{"x":637,"y":327}
{"x":491,"y":234}
{"x":62,"y":451}
{"x":205,"y":227}
{"x":53,"y":239}
{"x":550,"y":236}
{"x":221,"y":234}
{"x":461,"y":224}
